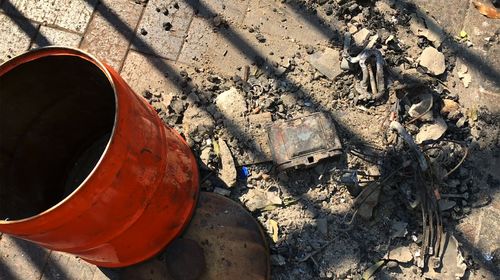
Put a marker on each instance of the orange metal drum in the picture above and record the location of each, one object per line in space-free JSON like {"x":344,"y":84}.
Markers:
{"x":86,"y":165}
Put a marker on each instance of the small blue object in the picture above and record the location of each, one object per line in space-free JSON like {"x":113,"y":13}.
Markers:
{"x":245,"y":172}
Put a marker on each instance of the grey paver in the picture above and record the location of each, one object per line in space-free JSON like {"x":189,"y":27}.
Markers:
{"x":203,"y":45}
{"x":143,"y":72}
{"x":64,"y":266}
{"x":228,"y":50}
{"x":106,"y":38}
{"x":69,"y":14}
{"x":16,"y":36}
{"x":20,"y":259}
{"x":282,"y":21}
{"x":151,"y":36}
{"x":231,"y":10}
{"x":48,"y":36}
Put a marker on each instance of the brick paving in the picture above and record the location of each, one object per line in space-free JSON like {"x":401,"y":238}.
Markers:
{"x":149,"y":46}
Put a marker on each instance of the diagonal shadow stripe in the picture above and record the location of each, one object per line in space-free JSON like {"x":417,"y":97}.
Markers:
{"x":28,"y":28}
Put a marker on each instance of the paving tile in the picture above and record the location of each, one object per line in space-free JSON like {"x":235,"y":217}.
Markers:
{"x":453,"y":21}
{"x":284,"y":21}
{"x":16,"y":36}
{"x":143,"y":72}
{"x":228,"y":50}
{"x":110,"y":31}
{"x":65,"y":266}
{"x":204,"y":46}
{"x":69,"y":14}
{"x":153,"y":38}
{"x":48,"y":36}
{"x":20,"y":259}
{"x":231,"y":10}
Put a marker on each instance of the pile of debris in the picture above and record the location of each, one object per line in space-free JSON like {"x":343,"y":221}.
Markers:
{"x":272,"y":140}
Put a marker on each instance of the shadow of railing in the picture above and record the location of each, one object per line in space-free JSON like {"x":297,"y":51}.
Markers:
{"x":28,"y":28}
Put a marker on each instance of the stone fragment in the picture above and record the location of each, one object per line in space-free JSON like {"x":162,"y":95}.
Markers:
{"x":228,"y":171}
{"x":197,"y":121}
{"x":366,"y":209}
{"x":431,"y":131}
{"x":231,"y":104}
{"x":427,"y":29}
{"x":205,"y":155}
{"x":257,"y":199}
{"x":361,"y":36}
{"x":401,"y":255}
{"x":392,"y":264}
{"x":322,"y":226}
{"x":464,"y":75}
{"x":345,"y":65}
{"x":326,"y":62}
{"x":449,"y":107}
{"x":432,"y":61}
{"x":423,"y":108}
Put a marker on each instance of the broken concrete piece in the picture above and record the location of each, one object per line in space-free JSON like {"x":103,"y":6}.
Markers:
{"x":228,"y":171}
{"x":326,"y":62}
{"x":432,"y":61}
{"x":361,"y":36}
{"x":400,"y":254}
{"x":205,"y":155}
{"x":345,"y":65}
{"x":231,"y":104}
{"x":464,"y":75}
{"x":257,"y":199}
{"x":365,"y":211}
{"x":431,"y":131}
{"x":429,"y":30}
{"x":423,"y":108}
{"x":197,"y":121}
{"x":449,"y":107}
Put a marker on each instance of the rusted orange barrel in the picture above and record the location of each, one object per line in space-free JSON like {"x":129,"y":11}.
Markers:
{"x":86,"y":165}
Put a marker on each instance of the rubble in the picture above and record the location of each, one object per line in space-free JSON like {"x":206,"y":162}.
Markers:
{"x":197,"y":123}
{"x":403,"y":129}
{"x":400,"y":254}
{"x":231,"y":104}
{"x":326,"y":62}
{"x":228,"y":170}
{"x":432,"y":131}
{"x":432,"y":61}
{"x":464,"y":75}
{"x":361,"y":37}
{"x":419,"y":27}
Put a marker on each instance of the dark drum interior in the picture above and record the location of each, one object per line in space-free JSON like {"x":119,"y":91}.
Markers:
{"x":56,"y":117}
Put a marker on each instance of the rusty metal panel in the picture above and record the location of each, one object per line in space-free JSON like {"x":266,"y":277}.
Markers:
{"x":303,"y":141}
